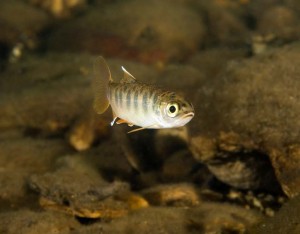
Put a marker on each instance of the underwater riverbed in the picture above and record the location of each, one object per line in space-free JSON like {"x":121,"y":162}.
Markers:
{"x":234,"y":168}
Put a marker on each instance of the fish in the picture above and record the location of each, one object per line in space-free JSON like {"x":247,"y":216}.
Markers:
{"x":137,"y":104}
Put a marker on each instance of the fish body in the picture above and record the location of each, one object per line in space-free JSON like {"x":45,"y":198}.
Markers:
{"x":138,"y":104}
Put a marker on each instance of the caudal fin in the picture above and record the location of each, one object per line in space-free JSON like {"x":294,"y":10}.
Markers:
{"x":101,"y":78}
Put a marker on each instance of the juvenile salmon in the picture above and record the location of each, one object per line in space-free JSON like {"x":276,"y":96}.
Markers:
{"x":138,"y":104}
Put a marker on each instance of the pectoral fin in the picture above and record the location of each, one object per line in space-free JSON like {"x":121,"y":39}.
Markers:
{"x":114,"y":118}
{"x":113,"y":121}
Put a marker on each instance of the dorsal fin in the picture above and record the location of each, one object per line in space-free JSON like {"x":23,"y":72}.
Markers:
{"x":128,"y":78}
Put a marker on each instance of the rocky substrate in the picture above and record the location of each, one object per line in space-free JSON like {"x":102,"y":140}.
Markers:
{"x":233,"y":169}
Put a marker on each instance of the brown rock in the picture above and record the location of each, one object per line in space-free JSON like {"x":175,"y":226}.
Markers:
{"x":281,"y":22}
{"x":203,"y":148}
{"x":30,"y":222}
{"x":286,"y":165}
{"x":178,"y":167}
{"x":20,"y":157}
{"x":87,"y":129}
{"x":226,"y":23}
{"x":44,"y":93}
{"x":138,"y":33}
{"x":293,"y":4}
{"x":173,"y":195}
{"x":20,"y":22}
{"x":60,"y":8}
{"x":286,"y":220}
{"x":169,"y":141}
{"x":77,"y":189}
{"x":31,"y":155}
{"x":212,"y":61}
{"x":256,"y":100}
{"x":207,"y":218}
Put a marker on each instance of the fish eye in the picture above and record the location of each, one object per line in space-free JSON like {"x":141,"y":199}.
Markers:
{"x":172,"y":109}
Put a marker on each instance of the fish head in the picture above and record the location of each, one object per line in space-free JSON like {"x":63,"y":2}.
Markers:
{"x":175,"y":111}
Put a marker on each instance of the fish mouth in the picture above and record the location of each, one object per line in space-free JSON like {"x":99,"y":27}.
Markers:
{"x":184,"y":119}
{"x":190,"y":114}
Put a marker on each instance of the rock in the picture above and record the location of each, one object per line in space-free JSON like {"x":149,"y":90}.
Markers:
{"x":226,"y":23}
{"x":254,"y":99}
{"x":212,"y":61}
{"x":11,"y":134}
{"x":173,"y":195}
{"x":283,"y":27}
{"x":78,"y":189}
{"x":229,"y":159}
{"x":208,"y":218}
{"x":44,"y":94}
{"x":285,"y":163}
{"x":276,"y":24}
{"x":171,"y":77}
{"x":258,"y":9}
{"x":245,"y":171}
{"x":261,"y":43}
{"x":138,"y":33}
{"x":31,"y":222}
{"x":60,"y":8}
{"x":13,"y":187}
{"x":109,"y":161}
{"x":266,"y":203}
{"x":20,"y":25}
{"x":86,"y":130}
{"x":179,"y":166}
{"x":169,"y":141}
{"x":286,"y":220}
{"x":19,"y":158}
{"x":31,"y":155}
{"x":293,"y":4}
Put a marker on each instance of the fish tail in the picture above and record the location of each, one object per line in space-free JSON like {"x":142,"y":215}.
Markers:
{"x":101,"y":79}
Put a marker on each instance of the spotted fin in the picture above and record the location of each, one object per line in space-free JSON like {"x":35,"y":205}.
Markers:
{"x":128,"y":78}
{"x":100,"y":82}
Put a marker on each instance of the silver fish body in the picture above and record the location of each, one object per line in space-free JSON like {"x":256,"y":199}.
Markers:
{"x":138,"y":104}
